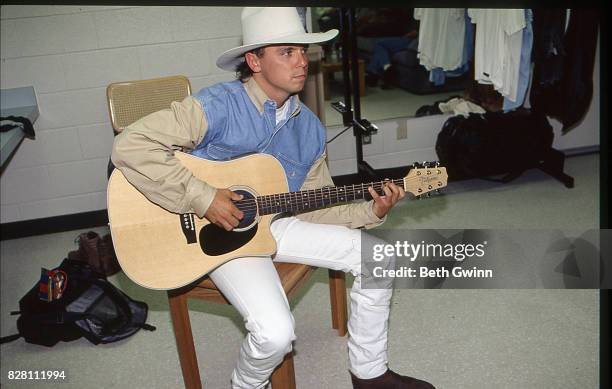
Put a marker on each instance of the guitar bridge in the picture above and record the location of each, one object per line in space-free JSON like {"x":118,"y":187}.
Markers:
{"x":188,"y":227}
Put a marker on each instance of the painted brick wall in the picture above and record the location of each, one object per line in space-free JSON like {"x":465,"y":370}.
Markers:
{"x":70,"y":54}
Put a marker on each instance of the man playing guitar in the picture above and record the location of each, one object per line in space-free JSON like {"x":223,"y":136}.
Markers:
{"x":260,"y":112}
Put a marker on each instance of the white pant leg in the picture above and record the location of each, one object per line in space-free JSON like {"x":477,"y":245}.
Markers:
{"x":339,"y":248}
{"x":253,"y":287}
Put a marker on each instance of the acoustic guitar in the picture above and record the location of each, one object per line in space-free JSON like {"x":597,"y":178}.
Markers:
{"x":159,"y":249}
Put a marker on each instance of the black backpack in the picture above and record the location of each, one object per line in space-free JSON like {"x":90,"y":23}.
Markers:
{"x":493,"y":144}
{"x":90,"y":306}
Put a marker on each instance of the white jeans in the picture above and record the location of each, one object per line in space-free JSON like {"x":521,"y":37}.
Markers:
{"x":252,"y":285}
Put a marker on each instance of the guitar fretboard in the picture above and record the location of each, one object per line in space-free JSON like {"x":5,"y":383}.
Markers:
{"x":316,"y":198}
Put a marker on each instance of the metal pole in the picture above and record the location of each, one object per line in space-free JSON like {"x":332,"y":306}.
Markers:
{"x":354,"y":65}
{"x":344,"y":29}
{"x":350,"y":74}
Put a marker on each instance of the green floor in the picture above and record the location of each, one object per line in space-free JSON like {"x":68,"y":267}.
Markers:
{"x":468,"y":339}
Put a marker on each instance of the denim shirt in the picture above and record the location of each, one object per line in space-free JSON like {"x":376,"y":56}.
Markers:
{"x":236,"y":127}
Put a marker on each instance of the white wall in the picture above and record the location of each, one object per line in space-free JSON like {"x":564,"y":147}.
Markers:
{"x":70,"y":54}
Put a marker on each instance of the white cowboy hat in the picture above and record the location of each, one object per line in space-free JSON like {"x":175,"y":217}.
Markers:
{"x":263,"y":26}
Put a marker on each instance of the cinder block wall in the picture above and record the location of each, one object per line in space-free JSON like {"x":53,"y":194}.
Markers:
{"x":70,"y":54}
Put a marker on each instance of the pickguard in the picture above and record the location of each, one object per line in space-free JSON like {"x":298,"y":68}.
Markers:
{"x":216,"y":241}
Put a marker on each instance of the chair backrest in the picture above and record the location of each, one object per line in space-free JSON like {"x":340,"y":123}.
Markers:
{"x":132,"y":100}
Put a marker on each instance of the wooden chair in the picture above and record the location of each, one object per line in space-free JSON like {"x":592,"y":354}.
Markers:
{"x":128,"y":102}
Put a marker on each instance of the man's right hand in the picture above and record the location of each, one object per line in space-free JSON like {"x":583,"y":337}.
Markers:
{"x":222,"y":211}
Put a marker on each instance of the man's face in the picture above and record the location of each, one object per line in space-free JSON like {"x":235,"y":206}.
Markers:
{"x":281,"y":71}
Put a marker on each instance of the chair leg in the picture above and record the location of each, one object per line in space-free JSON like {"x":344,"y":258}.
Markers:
{"x":284,"y":375}
{"x":337,"y":295}
{"x":184,"y":339}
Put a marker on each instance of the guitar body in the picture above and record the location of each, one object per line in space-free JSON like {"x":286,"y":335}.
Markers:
{"x":159,"y":249}
{"x":152,"y":244}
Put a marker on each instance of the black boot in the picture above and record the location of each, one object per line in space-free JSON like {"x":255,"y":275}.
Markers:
{"x":390,"y":380}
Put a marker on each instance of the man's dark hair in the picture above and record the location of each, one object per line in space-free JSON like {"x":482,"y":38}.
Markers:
{"x":243,"y":71}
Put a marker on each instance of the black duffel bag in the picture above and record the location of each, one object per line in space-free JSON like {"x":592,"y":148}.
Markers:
{"x":493,"y":144}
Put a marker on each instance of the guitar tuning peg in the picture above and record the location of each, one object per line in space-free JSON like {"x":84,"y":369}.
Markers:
{"x":416,"y":165}
{"x":428,"y":194}
{"x":437,"y":163}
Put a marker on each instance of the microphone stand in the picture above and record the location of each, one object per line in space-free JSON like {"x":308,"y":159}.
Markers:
{"x":362,"y":128}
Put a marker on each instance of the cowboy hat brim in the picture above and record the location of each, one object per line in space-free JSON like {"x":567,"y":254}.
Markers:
{"x":233,"y":57}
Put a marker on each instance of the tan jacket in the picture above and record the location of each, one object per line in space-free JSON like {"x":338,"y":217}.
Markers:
{"x":144,"y":152}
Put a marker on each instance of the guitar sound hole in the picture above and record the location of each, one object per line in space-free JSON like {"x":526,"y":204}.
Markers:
{"x":248,"y":206}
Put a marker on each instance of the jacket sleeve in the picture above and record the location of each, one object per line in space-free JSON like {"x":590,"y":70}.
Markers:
{"x":352,"y":215}
{"x":144,"y":152}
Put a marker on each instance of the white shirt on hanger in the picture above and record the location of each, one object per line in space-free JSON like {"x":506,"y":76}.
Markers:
{"x":441,"y":37}
{"x":497,"y":53}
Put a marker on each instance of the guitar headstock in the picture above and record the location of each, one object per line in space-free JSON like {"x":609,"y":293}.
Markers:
{"x":425,"y":178}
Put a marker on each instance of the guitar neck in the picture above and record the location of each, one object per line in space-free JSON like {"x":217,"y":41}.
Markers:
{"x":317,"y":198}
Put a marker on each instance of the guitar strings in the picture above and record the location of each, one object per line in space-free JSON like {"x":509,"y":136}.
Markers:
{"x":318,"y":193}
{"x":250,"y":205}
{"x":376,"y":184}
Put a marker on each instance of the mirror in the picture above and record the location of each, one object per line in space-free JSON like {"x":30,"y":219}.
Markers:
{"x":393,"y":83}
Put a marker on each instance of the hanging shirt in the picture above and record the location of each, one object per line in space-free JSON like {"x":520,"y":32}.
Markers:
{"x":437,"y":76}
{"x":499,"y":40}
{"x":525,"y":66}
{"x":441,"y":37}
